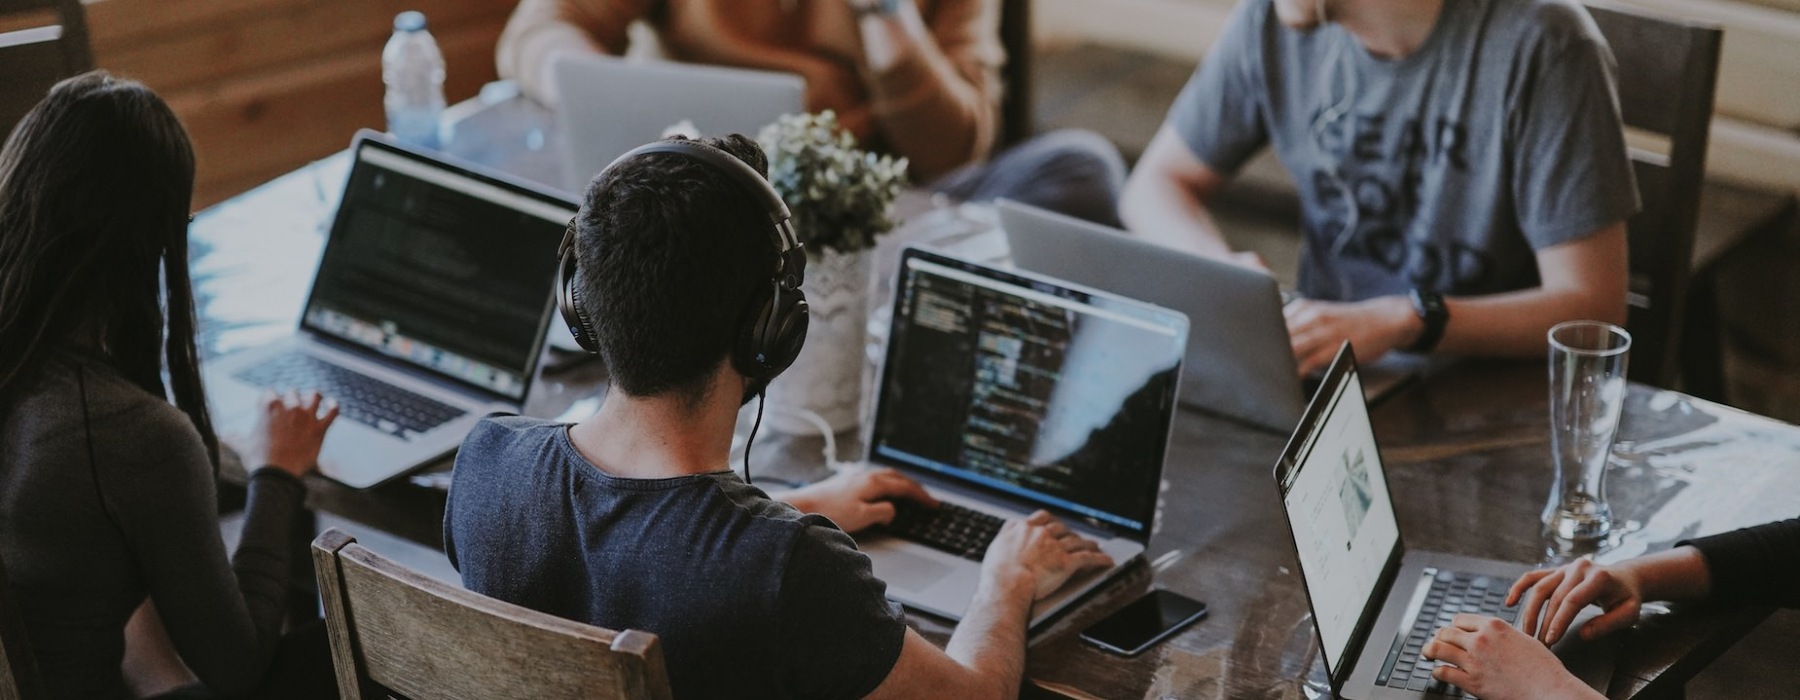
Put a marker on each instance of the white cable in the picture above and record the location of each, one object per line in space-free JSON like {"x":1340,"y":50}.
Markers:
{"x":825,"y":431}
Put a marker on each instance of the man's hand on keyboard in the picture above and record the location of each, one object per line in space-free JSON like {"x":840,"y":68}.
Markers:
{"x":858,"y":498}
{"x":1041,"y":553}
{"x":289,"y":430}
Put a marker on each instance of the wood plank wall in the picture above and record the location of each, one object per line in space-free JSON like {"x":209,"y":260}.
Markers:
{"x":264,"y":86}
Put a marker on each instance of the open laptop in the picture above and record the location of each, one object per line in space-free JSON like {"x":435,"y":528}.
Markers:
{"x":428,"y":311}
{"x":1240,"y":362}
{"x":610,"y":105}
{"x":1006,"y":393}
{"x":1375,"y":602}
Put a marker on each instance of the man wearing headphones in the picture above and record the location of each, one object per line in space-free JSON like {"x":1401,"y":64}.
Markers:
{"x":1461,"y":168}
{"x":681,"y":272}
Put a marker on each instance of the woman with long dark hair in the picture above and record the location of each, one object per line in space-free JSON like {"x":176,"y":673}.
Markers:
{"x":107,"y":492}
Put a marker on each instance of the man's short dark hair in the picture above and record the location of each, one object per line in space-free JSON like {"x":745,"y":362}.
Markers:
{"x":672,"y":253}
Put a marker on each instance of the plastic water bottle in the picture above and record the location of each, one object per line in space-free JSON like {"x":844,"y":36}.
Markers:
{"x":413,"y":69}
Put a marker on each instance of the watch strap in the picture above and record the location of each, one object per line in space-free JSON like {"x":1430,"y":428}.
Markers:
{"x":1434,"y":314}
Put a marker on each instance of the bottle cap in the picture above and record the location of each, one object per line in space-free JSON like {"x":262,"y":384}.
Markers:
{"x":409,"y":21}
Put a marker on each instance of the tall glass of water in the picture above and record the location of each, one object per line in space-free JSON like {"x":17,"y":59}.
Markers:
{"x":1587,"y":391}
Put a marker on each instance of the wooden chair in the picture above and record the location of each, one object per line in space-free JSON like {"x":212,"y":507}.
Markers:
{"x":1015,"y":104}
{"x":1668,"y":69}
{"x":396,"y":631}
{"x":18,"y":668}
{"x":41,"y":42}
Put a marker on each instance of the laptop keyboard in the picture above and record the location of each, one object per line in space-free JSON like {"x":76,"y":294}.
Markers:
{"x":360,"y":398}
{"x":964,"y":532}
{"x":1450,"y":593}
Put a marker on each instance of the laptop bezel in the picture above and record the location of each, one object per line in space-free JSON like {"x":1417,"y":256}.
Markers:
{"x":368,"y":138}
{"x":1171,"y":403}
{"x":1343,"y":368}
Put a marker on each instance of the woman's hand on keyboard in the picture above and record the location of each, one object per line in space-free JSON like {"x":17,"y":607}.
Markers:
{"x":1496,"y":661}
{"x":289,"y":430}
{"x":1040,"y":553}
{"x":1549,"y":599}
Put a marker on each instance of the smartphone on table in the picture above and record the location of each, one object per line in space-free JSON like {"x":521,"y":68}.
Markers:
{"x":1144,"y":622}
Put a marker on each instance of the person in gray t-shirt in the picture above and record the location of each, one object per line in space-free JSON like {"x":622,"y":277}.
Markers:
{"x":1461,"y":168}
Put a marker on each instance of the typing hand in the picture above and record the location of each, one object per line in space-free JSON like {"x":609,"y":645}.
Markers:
{"x":1495,"y":661}
{"x":858,"y":498}
{"x":1039,"y":554}
{"x":1553,"y":597}
{"x":1373,"y":327}
{"x":289,"y":430}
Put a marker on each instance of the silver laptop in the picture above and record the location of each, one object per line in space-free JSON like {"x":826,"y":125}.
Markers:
{"x":1375,"y":602}
{"x":1239,"y":362}
{"x":1006,"y":393}
{"x":428,"y":310}
{"x":611,"y":105}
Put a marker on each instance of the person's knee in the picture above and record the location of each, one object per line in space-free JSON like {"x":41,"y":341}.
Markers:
{"x":1078,"y":150}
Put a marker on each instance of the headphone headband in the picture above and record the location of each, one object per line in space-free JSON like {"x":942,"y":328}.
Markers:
{"x":750,"y":181}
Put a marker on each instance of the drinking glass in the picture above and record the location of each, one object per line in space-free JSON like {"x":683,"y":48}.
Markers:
{"x":1587,"y":391}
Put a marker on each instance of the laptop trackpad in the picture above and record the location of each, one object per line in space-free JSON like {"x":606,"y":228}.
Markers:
{"x":910,"y":572}
{"x":1591,"y":661}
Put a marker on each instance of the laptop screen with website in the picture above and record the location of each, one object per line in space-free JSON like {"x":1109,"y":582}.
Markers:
{"x":1337,"y":503}
{"x":440,"y":268}
{"x":1054,"y":395}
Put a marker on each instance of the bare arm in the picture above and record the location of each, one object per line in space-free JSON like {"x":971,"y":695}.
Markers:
{"x":541,"y":30}
{"x":934,"y":80}
{"x":986,"y":656}
{"x":1165,"y":198}
{"x":1583,"y":279}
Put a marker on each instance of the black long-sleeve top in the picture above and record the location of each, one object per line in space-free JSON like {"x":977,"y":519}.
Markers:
{"x":1756,"y":564}
{"x":106,"y":499}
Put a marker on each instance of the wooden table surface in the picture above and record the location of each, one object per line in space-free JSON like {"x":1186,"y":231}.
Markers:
{"x":1466,"y":449}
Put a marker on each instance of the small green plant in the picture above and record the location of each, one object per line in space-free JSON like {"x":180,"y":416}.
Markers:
{"x":841,"y":196}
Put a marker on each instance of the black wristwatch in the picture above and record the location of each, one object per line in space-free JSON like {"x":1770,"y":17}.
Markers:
{"x":1432,"y":311}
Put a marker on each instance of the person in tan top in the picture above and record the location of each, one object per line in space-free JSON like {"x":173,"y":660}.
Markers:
{"x":914,"y":78}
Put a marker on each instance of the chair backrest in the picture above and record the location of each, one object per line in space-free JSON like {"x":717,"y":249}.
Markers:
{"x":41,"y":42}
{"x":1668,"y":69}
{"x":18,"y":667}
{"x":396,"y":631}
{"x":1015,"y":102}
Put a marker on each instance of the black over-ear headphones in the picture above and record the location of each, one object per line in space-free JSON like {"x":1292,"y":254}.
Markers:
{"x":773,"y":327}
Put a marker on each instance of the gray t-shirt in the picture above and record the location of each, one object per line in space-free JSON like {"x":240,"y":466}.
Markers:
{"x":1499,"y":137}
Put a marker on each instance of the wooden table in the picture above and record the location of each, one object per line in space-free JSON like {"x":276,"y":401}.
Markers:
{"x":1467,"y":451}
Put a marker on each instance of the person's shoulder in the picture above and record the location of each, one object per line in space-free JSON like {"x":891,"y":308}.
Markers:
{"x":1553,"y":24}
{"x":500,"y":440}
{"x":125,"y":412}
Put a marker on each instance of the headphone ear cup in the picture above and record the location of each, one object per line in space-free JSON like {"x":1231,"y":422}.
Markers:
{"x":792,"y":318}
{"x":568,"y":302}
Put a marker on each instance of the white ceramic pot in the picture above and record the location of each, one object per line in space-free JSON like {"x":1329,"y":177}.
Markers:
{"x":828,"y":376}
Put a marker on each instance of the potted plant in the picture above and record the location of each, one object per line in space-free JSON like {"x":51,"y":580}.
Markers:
{"x":841,"y":198}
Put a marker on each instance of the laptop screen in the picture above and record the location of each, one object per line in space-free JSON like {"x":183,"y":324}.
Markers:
{"x":1057,"y":396}
{"x":440,"y":268}
{"x":1337,"y":502}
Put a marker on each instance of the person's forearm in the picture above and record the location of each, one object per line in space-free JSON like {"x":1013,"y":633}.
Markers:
{"x":1517,"y":324}
{"x":534,"y":36}
{"x":1677,"y":574}
{"x":935,"y":103}
{"x":990,"y":640}
{"x":1162,"y":210}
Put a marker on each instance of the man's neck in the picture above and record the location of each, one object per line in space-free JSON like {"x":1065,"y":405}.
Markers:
{"x":1389,"y":29}
{"x":662,"y":436}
